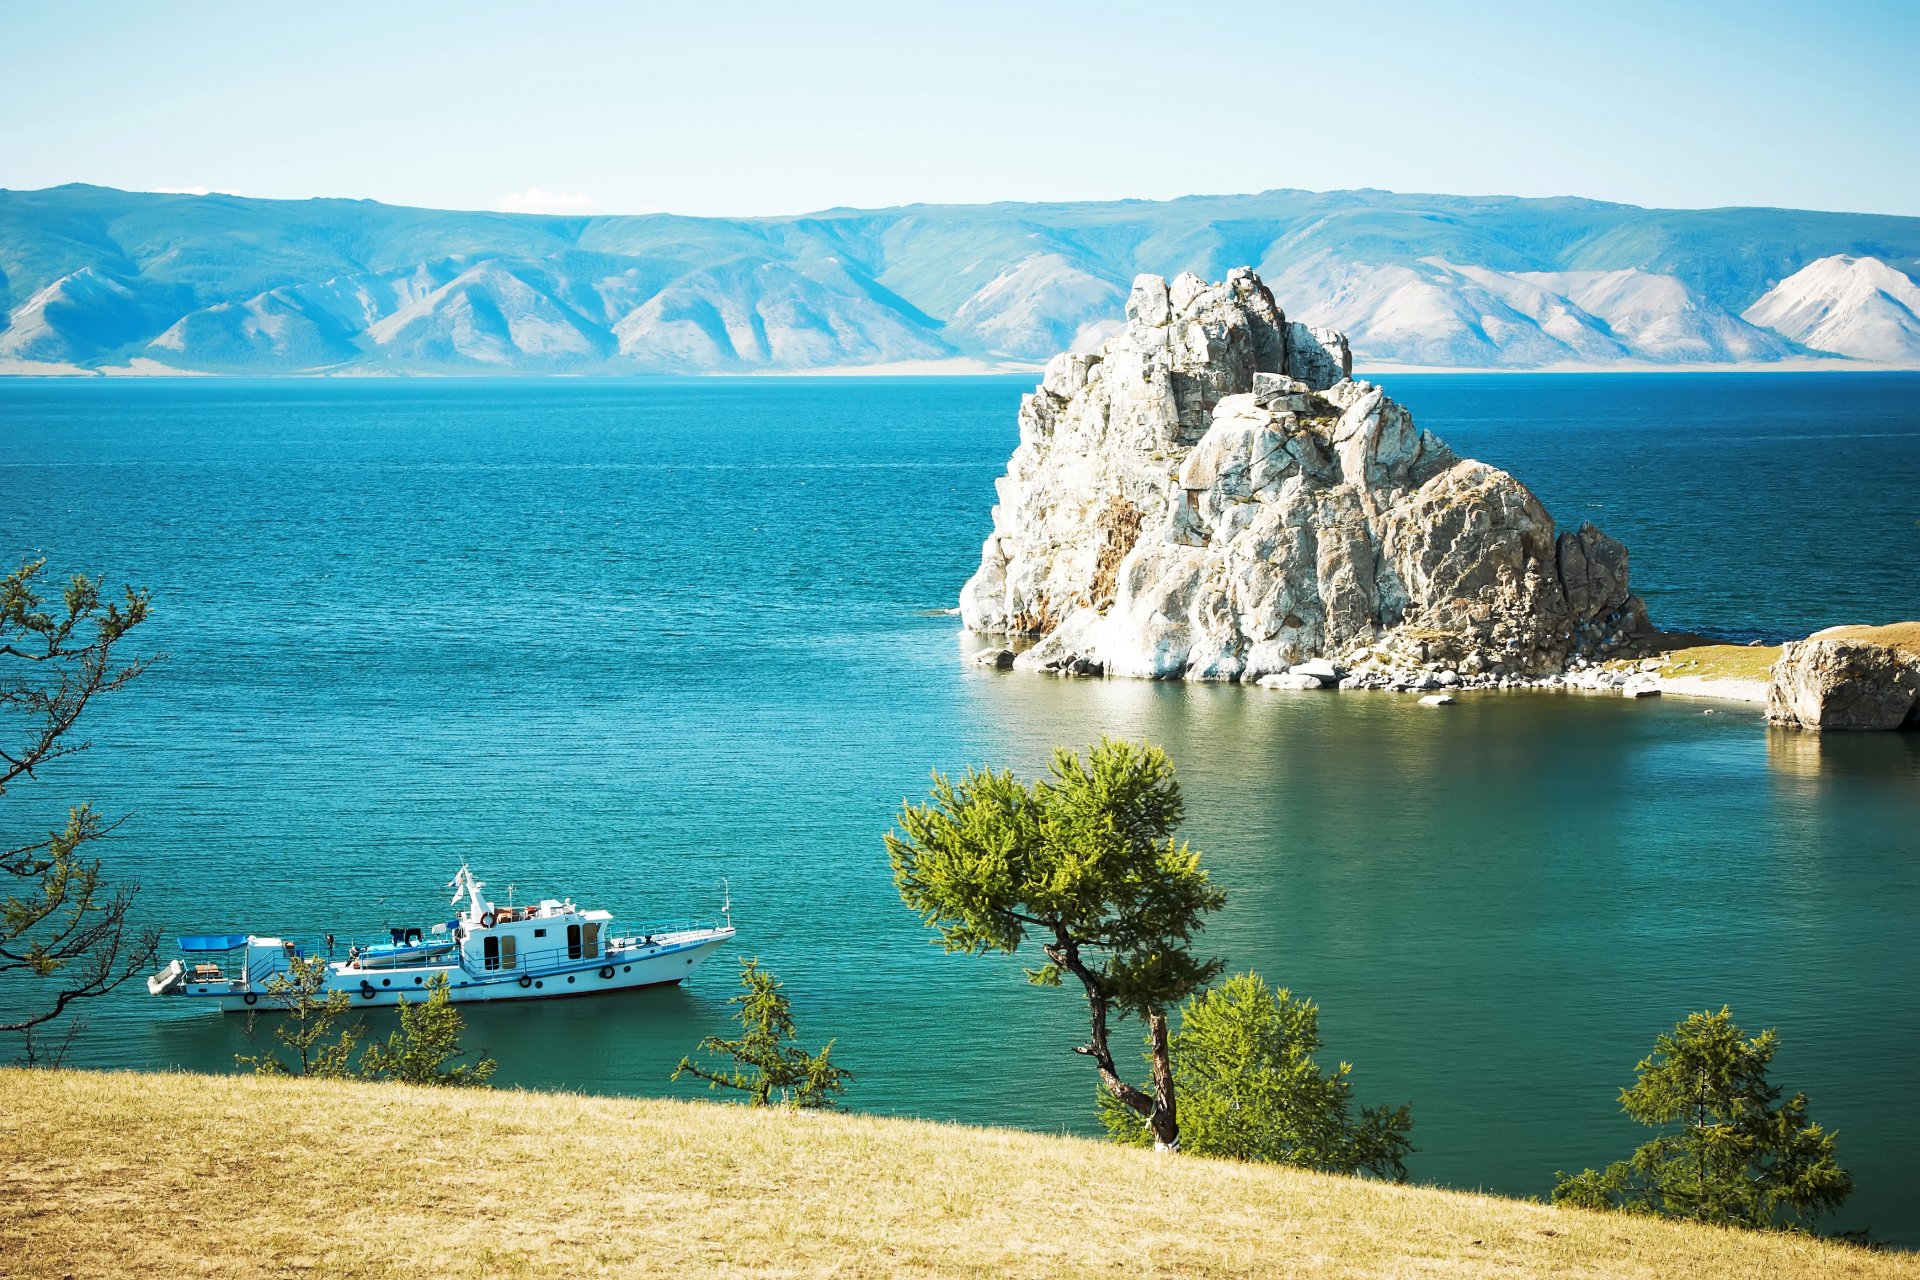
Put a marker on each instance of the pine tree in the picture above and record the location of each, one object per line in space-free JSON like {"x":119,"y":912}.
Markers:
{"x":426,"y":1043}
{"x":1734,"y":1155}
{"x":1083,"y":861}
{"x":765,"y":1066}
{"x":1250,"y":1088}
{"x":306,"y":1025}
{"x":59,"y":921}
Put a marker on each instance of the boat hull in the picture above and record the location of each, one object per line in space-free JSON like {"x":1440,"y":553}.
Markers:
{"x":623,"y":970}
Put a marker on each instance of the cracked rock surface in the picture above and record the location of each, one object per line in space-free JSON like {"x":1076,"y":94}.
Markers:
{"x":1212,"y":496}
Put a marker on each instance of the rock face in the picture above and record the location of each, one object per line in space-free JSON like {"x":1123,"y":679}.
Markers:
{"x":1849,"y":678}
{"x":1211,"y":496}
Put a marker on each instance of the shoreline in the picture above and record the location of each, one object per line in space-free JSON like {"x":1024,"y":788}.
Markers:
{"x":1665,"y":664}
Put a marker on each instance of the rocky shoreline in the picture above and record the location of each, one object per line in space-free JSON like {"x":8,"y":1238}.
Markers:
{"x":1628,"y":677}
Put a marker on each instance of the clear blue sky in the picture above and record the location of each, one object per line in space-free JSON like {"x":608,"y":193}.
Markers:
{"x":742,"y":107}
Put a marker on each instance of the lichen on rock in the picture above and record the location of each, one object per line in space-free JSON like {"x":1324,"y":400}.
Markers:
{"x":1222,"y":501}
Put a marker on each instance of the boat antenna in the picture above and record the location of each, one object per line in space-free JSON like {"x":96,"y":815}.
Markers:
{"x":726,"y":902}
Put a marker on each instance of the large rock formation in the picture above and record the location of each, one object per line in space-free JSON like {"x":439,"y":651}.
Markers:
{"x":1849,"y":678}
{"x":1212,"y":496}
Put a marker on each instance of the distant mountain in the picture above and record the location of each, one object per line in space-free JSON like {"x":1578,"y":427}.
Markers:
{"x":1857,"y":307}
{"x":92,"y":278}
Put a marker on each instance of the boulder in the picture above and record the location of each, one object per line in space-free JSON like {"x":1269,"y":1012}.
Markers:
{"x":1290,"y":680}
{"x":1437,"y":700}
{"x":1211,"y":496}
{"x":1849,"y":678}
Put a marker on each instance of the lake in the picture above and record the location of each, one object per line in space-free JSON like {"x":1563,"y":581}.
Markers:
{"x":625,"y":640}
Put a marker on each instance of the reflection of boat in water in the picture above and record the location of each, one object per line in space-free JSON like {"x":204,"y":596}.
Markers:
{"x":488,"y":952}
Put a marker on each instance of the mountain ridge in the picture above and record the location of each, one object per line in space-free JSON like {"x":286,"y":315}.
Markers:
{"x":92,"y":278}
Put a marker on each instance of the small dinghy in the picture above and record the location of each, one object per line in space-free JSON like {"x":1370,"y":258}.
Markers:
{"x":409,"y":946}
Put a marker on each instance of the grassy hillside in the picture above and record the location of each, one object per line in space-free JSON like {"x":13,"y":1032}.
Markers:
{"x":174,"y":1175}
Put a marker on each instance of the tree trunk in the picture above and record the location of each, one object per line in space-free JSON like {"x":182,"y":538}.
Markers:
{"x":1164,"y":1119}
{"x":1158,"y":1106}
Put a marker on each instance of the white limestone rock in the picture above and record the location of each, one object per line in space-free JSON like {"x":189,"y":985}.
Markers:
{"x":1290,"y":680}
{"x":1211,"y":496}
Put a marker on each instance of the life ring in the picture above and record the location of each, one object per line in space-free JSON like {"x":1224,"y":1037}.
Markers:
{"x":526,"y":979}
{"x":606,"y":971}
{"x":250,"y":998}
{"x":486,"y":921}
{"x":366,"y":988}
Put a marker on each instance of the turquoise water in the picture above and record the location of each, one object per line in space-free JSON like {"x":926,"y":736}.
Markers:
{"x":626,"y":639}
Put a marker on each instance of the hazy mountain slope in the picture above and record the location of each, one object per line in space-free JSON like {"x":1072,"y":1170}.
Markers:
{"x":1042,"y":302}
{"x":278,"y":330}
{"x":491,"y":316}
{"x":95,"y":277}
{"x":1659,"y":318}
{"x":84,"y":315}
{"x":1856,"y":307}
{"x":761,"y":315}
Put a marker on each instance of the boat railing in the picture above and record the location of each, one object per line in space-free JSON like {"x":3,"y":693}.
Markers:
{"x":655,"y":928}
{"x":260,"y":972}
{"x":565,"y":958}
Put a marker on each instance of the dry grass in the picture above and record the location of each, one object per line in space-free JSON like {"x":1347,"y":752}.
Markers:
{"x":1901,"y":635}
{"x":1720,"y":662}
{"x":176,"y":1175}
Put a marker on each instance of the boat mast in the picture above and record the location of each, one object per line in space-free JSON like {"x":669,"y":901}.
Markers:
{"x":465,"y":886}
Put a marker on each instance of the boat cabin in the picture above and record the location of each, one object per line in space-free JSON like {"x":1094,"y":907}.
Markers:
{"x":551,"y":934}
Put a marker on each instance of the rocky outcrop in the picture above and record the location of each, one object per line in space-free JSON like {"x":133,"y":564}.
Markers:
{"x":1212,"y":496}
{"x":1849,"y":678}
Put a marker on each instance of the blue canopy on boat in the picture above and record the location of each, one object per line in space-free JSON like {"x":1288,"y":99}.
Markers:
{"x":213,"y":941}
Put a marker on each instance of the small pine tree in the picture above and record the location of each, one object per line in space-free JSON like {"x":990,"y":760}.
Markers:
{"x":427,"y":1041}
{"x":306,"y":1026}
{"x":1737,"y":1157}
{"x":764,"y":1064}
{"x":1250,"y":1089}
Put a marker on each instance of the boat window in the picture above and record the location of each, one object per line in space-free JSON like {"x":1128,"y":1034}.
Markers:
{"x":490,"y":951}
{"x":506,"y":952}
{"x":573,"y":942}
{"x":591,"y":941}
{"x":539,"y":933}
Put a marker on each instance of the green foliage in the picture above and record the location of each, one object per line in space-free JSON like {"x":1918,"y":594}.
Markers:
{"x":1085,"y":862}
{"x":426,"y":1043}
{"x":765,"y":1065}
{"x":1735,"y":1155}
{"x":1250,"y":1089}
{"x":61,"y":924}
{"x":1086,"y":856}
{"x":308,"y":1023}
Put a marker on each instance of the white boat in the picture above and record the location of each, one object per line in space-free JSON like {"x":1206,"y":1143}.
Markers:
{"x":488,"y":952}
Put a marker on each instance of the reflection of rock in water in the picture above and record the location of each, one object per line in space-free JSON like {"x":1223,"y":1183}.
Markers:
{"x":1811,"y":755}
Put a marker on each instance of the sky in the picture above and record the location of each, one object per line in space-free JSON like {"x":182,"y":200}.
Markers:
{"x":747,"y":108}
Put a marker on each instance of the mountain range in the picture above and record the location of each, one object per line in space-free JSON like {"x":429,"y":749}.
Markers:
{"x":95,"y":279}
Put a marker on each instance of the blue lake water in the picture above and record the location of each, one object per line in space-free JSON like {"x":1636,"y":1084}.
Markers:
{"x":624,"y":639}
